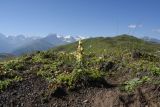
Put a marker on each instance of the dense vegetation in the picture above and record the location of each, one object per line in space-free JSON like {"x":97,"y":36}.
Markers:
{"x":102,"y":58}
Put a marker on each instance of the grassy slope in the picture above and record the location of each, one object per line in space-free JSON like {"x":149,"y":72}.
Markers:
{"x":61,"y":69}
{"x":101,"y":45}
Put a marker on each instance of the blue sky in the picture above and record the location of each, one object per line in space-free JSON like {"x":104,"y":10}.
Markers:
{"x":80,"y":17}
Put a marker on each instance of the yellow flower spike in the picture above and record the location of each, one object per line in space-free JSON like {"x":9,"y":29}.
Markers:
{"x":79,"y":53}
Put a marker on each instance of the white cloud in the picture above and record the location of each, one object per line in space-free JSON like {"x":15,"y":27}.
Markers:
{"x":156,"y":30}
{"x":133,"y":26}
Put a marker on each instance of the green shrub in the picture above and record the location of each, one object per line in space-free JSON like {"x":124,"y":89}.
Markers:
{"x":14,"y":65}
{"x":5,"y":83}
{"x":130,"y":85}
{"x":78,"y":74}
{"x":155,"y":70}
{"x":65,"y":79}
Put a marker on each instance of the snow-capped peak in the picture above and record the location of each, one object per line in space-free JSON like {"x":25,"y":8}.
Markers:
{"x":67,"y":37}
{"x":79,"y":37}
{"x":59,"y":36}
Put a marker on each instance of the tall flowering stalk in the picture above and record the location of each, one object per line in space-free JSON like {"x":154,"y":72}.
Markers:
{"x":79,"y":53}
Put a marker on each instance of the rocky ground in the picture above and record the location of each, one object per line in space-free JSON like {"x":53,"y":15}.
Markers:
{"x":33,"y":92}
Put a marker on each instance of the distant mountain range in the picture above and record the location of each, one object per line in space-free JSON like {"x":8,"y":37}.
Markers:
{"x":5,"y":55}
{"x":20,"y":44}
{"x":153,"y":40}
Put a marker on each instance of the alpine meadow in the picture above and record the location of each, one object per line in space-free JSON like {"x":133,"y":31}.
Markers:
{"x":76,"y":67}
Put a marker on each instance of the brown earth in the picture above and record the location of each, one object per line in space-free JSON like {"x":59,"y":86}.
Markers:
{"x":32,"y":92}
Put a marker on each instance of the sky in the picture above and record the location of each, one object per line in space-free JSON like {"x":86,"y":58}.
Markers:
{"x":80,"y":17}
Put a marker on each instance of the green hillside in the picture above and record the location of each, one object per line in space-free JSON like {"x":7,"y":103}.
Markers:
{"x":106,"y":45}
{"x":122,"y":66}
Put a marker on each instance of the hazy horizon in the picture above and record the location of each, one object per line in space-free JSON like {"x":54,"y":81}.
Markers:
{"x":39,"y":18}
{"x":82,"y":36}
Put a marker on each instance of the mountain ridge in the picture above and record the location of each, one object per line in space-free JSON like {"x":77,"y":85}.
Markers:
{"x":20,"y":44}
{"x":101,"y":44}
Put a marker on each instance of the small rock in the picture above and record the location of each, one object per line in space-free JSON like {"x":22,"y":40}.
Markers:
{"x":85,"y":101}
{"x":106,"y":66}
{"x":22,"y":104}
{"x":59,"y":92}
{"x":136,"y":55}
{"x":45,"y":100}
